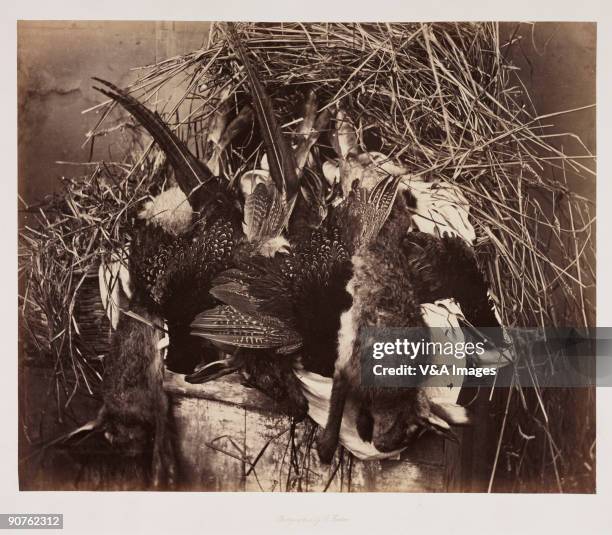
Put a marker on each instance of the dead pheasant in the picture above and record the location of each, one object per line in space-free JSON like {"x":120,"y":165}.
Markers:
{"x":174,"y":256}
{"x":172,"y":270}
{"x":360,"y":268}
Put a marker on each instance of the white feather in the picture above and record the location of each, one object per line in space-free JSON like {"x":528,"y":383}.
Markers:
{"x":170,"y":210}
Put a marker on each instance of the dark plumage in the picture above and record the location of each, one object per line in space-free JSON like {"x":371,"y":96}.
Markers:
{"x":267,"y":304}
{"x":287,"y":303}
{"x":363,"y":248}
{"x":172,"y":275}
{"x":294,"y":301}
{"x":172,"y":271}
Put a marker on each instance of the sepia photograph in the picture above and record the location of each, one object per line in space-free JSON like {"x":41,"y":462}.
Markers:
{"x":306,"y":256}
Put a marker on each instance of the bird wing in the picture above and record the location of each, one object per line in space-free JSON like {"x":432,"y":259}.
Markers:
{"x":189,"y":171}
{"x":256,"y":207}
{"x":266,"y":213}
{"x":285,"y":302}
{"x":288,"y":285}
{"x":381,"y":199}
{"x":177,"y":271}
{"x":225,"y":325}
{"x":260,"y":286}
{"x":364,"y":212}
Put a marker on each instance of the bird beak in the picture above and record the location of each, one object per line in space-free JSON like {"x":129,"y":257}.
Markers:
{"x":212,"y":371}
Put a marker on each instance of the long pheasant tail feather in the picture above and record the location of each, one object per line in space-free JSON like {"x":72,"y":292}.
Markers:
{"x":189,"y":171}
{"x":280,"y":157}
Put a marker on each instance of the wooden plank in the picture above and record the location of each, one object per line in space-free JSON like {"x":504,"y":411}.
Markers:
{"x":210,"y":443}
{"x":225,"y":415}
{"x":397,"y":476}
{"x":267,"y":445}
{"x":228,"y":389}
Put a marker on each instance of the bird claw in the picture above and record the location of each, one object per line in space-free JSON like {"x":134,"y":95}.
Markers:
{"x":211,"y":371}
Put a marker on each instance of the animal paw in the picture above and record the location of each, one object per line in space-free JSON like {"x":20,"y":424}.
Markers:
{"x":163,"y":473}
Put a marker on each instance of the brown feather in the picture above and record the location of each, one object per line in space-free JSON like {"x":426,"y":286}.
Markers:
{"x":228,"y":326}
{"x":280,"y":156}
{"x":189,"y":171}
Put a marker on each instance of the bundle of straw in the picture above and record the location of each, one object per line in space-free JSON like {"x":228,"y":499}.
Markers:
{"x":442,"y":100}
{"x":63,"y":323}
